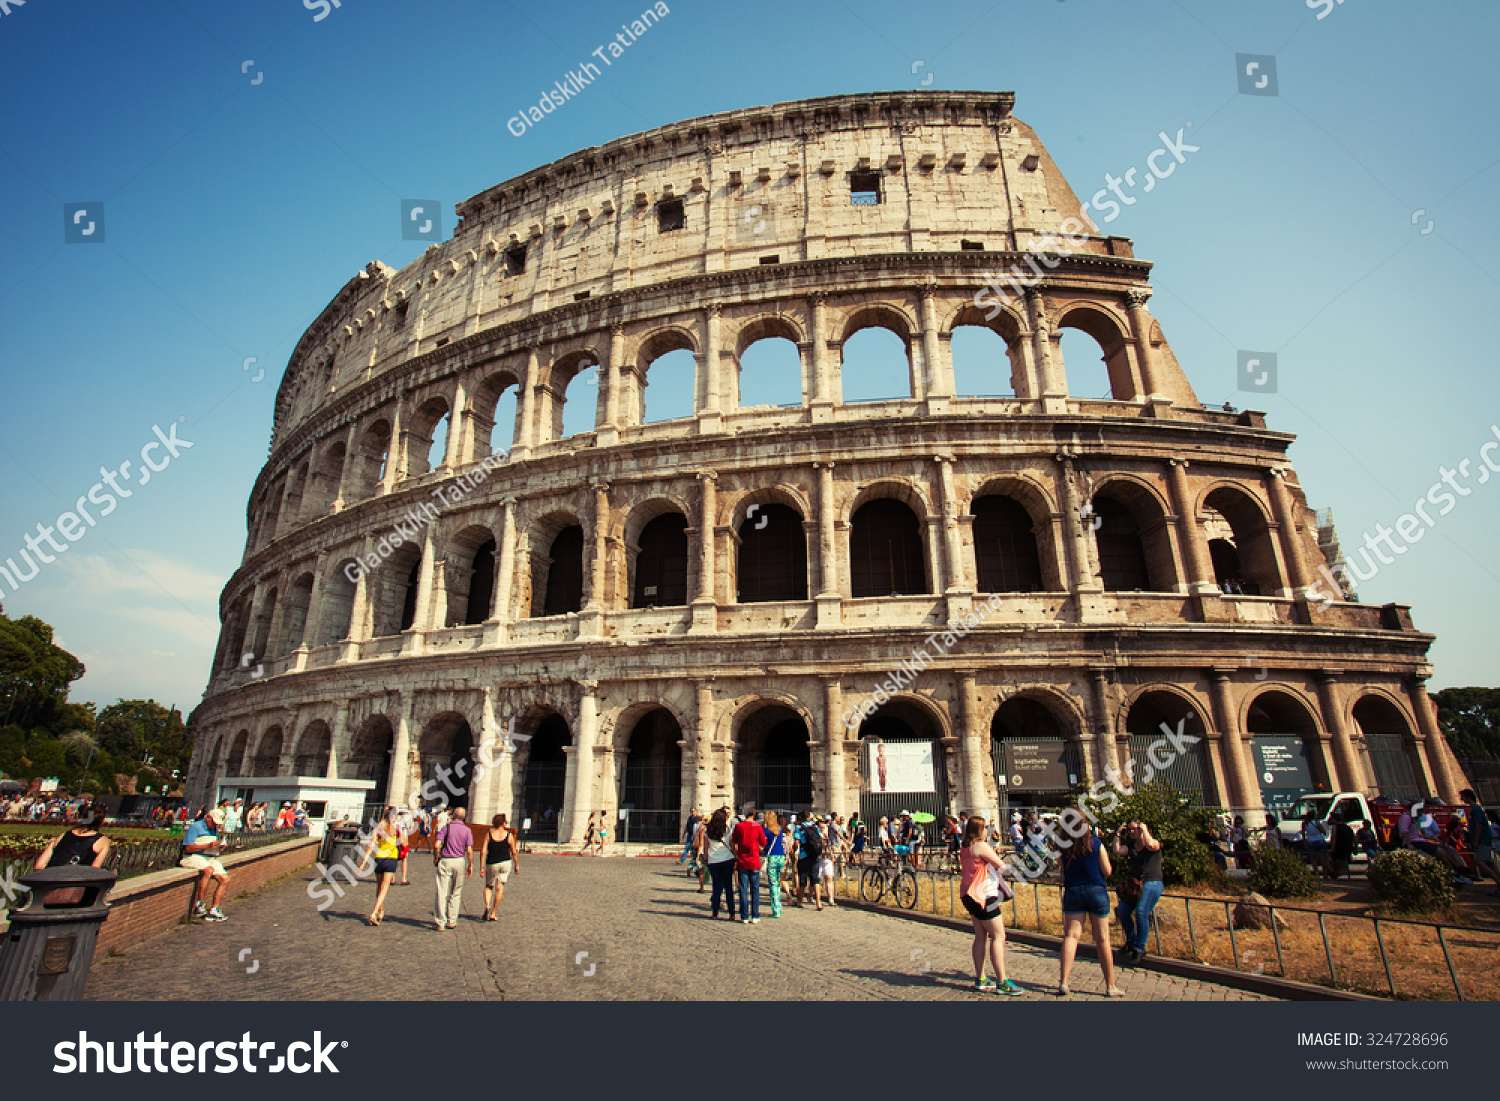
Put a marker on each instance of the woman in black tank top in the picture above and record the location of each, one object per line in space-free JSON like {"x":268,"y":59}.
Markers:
{"x":82,"y":846}
{"x":500,"y":860}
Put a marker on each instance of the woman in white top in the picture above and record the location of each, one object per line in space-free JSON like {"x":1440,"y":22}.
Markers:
{"x":720,"y":860}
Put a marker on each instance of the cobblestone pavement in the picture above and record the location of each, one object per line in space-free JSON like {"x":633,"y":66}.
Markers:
{"x":641,"y":921}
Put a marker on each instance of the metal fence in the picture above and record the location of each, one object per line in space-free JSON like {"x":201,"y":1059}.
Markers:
{"x":1387,"y":956}
{"x":142,"y":857}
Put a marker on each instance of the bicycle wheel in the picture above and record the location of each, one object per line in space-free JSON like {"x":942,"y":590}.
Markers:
{"x":906,"y":890}
{"x":872,"y":885}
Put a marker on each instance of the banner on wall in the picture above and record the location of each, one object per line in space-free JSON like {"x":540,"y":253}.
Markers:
{"x":1040,"y":765}
{"x":904,"y":767}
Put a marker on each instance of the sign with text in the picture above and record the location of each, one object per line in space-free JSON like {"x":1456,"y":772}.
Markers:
{"x":1282,"y":769}
{"x":1040,"y":765}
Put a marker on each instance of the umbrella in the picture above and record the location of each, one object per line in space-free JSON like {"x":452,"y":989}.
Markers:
{"x":923,"y":817}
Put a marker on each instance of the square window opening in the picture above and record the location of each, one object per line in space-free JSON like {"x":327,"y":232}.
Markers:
{"x":971,"y":246}
{"x":864,"y":189}
{"x":770,"y":259}
{"x":670,"y":216}
{"x":515,"y":260}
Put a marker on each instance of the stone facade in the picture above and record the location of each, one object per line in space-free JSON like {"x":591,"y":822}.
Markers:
{"x":388,"y":617}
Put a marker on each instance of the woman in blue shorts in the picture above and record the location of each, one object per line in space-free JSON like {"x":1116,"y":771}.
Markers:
{"x":1086,"y":870}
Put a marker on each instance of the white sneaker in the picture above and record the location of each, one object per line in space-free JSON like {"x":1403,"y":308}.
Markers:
{"x":215,"y":914}
{"x":755,"y":921}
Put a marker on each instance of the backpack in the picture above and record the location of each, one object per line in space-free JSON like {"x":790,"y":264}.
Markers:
{"x":811,"y":839}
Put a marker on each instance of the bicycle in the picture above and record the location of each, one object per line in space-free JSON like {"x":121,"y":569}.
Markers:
{"x":890,"y":874}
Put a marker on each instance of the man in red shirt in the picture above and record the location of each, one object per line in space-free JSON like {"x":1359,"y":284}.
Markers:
{"x":746,"y":842}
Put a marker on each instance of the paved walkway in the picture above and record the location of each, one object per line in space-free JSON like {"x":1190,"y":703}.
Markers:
{"x":641,"y":921}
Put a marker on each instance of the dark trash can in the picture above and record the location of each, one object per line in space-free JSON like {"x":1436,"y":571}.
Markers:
{"x":339,"y":842}
{"x":50,"y":944}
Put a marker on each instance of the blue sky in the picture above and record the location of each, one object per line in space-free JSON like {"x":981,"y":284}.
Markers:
{"x":235,"y":210}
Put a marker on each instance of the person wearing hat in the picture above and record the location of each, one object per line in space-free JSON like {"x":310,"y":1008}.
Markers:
{"x":1017,"y":833}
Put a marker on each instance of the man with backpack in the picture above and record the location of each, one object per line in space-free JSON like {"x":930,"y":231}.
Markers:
{"x":810,"y":845}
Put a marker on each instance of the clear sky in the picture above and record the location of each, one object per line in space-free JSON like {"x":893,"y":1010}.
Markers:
{"x":251,"y":158}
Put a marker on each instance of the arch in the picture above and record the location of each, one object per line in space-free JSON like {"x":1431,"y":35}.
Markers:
{"x":902,"y":762}
{"x":1284,"y":734}
{"x":883,"y":358}
{"x":494,"y":414}
{"x":575,"y":394}
{"x":1006,"y":558}
{"x":652,"y":784}
{"x":1111,"y":335}
{"x":557,"y":575}
{"x":336,"y":610}
{"x":771,"y":559}
{"x":368,"y":466}
{"x":327,"y":480}
{"x":234,"y":764}
{"x":986,"y":354}
{"x":427,"y":437}
{"x":1390,"y":746}
{"x":444,"y":755}
{"x":469,"y":576}
{"x":292,"y":511}
{"x":261,"y":644}
{"x":768,"y":367}
{"x":669,"y":387}
{"x":314,"y":749}
{"x":886,"y":550}
{"x":659,"y":563}
{"x":370,"y":759}
{"x":294,"y":616}
{"x":1134,"y":549}
{"x":1035,"y":751}
{"x":1241,"y":545}
{"x":1151,"y":713}
{"x":236,"y":623}
{"x":544,"y":776}
{"x":268,"y":753}
{"x":394,"y":590}
{"x":773,"y":762}
{"x":271,"y":510}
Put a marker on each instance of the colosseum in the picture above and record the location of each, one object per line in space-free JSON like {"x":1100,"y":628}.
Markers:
{"x":481,"y":538}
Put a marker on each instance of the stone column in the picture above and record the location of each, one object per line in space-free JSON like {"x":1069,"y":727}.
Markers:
{"x":834,"y":734}
{"x":710,"y":386}
{"x":823,"y":396}
{"x":1432,"y":745}
{"x":958,"y":580}
{"x":359,"y":617}
{"x":456,"y":450}
{"x":496,"y":629}
{"x":1243,"y":787}
{"x":591,"y":618}
{"x":703,"y":745}
{"x":338,"y":737}
{"x":1104,"y":733}
{"x":705,"y":604}
{"x":395,"y":452}
{"x":1200,"y":577}
{"x":582,"y":762}
{"x":1051,"y":384}
{"x":529,"y":436}
{"x":353,"y":459}
{"x":1299,"y":574}
{"x":610,"y":376}
{"x":1140,"y":324}
{"x":1350,"y":768}
{"x":938,"y":383}
{"x":975,"y":799}
{"x":830,"y":595}
{"x":400,"y":766}
{"x":426,"y":573}
{"x":1081,"y":577}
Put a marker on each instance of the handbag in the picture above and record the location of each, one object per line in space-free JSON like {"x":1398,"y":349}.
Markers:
{"x":1130,"y":889}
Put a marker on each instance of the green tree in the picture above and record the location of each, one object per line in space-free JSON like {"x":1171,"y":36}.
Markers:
{"x":1470,"y":717}
{"x":34,"y":672}
{"x":139,"y":731}
{"x":1175,"y":820}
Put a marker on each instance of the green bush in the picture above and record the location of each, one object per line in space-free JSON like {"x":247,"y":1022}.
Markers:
{"x":1280,"y":873}
{"x":1175,"y":821}
{"x":1410,"y":880}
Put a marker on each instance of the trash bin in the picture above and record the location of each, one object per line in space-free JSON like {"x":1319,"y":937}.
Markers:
{"x":49,"y":948}
{"x":339,"y":842}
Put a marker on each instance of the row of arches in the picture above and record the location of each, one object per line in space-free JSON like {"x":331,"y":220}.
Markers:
{"x":670,"y":374}
{"x":1018,"y":545}
{"x":770,"y":756}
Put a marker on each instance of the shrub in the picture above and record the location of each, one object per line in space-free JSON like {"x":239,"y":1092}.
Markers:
{"x":1280,"y":873}
{"x":1410,"y":880}
{"x":1175,"y":821}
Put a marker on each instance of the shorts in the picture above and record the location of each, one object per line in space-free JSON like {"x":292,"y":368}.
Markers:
{"x":902,"y":850}
{"x":1093,"y":900}
{"x":825,"y":868}
{"x":807,"y":869}
{"x":498,"y":873}
{"x":859,"y":844}
{"x":387,"y":865}
{"x":195,"y":862}
{"x":988,"y":912}
{"x":1483,"y":855}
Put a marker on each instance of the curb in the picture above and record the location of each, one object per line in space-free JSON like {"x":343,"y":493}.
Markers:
{"x":1223,"y":976}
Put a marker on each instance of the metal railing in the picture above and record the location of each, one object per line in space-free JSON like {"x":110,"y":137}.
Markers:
{"x":1383,"y":956}
{"x":143,"y":857}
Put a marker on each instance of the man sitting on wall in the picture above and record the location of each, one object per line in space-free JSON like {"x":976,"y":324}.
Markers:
{"x":200,"y":852}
